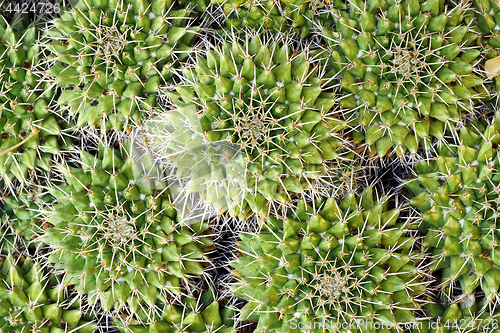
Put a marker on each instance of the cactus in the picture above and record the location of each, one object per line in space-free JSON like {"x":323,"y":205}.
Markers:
{"x":297,"y":15}
{"x":114,"y":232}
{"x":110,"y":57}
{"x":251,"y":124}
{"x":33,"y":301}
{"x":352,"y":261}
{"x":408,"y":71}
{"x":20,"y":222}
{"x":30,"y":134}
{"x":457,"y":194}
{"x":200,"y":313}
{"x":488,"y":23}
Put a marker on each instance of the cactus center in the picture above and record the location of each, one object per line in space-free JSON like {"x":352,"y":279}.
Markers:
{"x":409,"y":58}
{"x":110,"y":42}
{"x":119,"y":229}
{"x":406,"y":63}
{"x":333,"y":286}
{"x":253,"y":127}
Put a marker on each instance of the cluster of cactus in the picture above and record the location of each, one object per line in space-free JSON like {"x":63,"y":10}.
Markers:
{"x":113,"y":230}
{"x":352,"y":260}
{"x":218,"y":166}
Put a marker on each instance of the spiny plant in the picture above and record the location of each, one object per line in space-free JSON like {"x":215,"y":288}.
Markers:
{"x":114,"y":232}
{"x":30,"y":134}
{"x":487,"y":14}
{"x":297,"y":15}
{"x":251,"y":124}
{"x":408,"y":70}
{"x":353,"y":261}
{"x":20,"y":222}
{"x":110,"y":57}
{"x":200,"y":313}
{"x":458,"y":195}
{"x":33,"y":300}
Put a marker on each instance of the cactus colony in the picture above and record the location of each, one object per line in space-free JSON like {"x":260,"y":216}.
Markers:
{"x":227,"y":166}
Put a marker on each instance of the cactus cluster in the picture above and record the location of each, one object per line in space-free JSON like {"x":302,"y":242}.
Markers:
{"x":233,"y":166}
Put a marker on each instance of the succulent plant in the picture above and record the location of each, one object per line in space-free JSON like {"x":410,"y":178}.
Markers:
{"x":114,"y":232}
{"x":251,"y":124}
{"x":408,"y":70}
{"x":110,"y":57}
{"x":298,"y":15}
{"x":352,"y":261}
{"x":457,"y":194}
{"x":201,"y":313}
{"x":31,"y":300}
{"x":20,"y":221}
{"x":30,"y":135}
{"x":487,"y":13}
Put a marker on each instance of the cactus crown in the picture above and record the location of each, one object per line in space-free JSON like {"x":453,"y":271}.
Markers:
{"x":352,"y":261}
{"x":257,"y":123}
{"x":115,"y":232}
{"x":458,"y":197}
{"x":408,"y":71}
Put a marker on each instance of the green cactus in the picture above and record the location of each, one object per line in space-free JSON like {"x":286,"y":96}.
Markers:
{"x":488,"y":23}
{"x":251,"y":125}
{"x":299,"y":15}
{"x":408,"y":70}
{"x":116,"y":235}
{"x":30,"y":134}
{"x":352,"y":262}
{"x":457,"y":194}
{"x":33,"y":301}
{"x":201,"y":313}
{"x":110,"y":57}
{"x":20,"y":219}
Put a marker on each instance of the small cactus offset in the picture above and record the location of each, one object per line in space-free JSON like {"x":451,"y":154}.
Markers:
{"x":239,"y":166}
